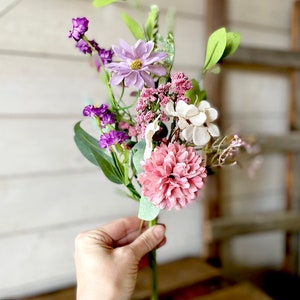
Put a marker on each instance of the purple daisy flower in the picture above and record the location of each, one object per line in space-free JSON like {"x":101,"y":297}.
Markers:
{"x":112,"y":138}
{"x":137,"y":63}
{"x":80,"y":26}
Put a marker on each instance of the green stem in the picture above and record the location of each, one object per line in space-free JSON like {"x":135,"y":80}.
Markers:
{"x":153,"y":266}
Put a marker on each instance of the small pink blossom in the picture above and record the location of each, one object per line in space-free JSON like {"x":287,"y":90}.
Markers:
{"x":173,"y":176}
{"x":181,"y":83}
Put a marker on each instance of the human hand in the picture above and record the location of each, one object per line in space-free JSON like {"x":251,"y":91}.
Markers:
{"x":107,"y":258}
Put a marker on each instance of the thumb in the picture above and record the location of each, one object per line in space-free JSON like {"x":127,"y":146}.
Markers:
{"x":148,"y":240}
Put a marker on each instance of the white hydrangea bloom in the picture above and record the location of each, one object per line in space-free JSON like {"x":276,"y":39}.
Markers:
{"x":195,"y":121}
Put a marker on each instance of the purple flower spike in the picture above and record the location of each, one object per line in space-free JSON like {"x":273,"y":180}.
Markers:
{"x":112,"y":138}
{"x":83,"y":47}
{"x":80,"y":26}
{"x":138,"y":62}
{"x":105,"y":115}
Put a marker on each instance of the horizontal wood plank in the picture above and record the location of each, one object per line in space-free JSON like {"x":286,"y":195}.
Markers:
{"x":245,"y":291}
{"x":175,"y":275}
{"x":289,"y":142}
{"x":227,"y":227}
{"x":268,"y":58}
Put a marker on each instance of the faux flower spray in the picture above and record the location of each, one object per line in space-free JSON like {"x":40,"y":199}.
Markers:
{"x":157,"y":131}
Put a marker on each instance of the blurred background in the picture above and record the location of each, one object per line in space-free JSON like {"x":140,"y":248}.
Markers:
{"x":49,"y":192}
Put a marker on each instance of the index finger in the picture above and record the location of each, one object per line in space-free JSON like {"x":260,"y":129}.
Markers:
{"x":123,"y":231}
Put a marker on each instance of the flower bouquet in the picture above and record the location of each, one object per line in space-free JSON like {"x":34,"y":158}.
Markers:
{"x":156,"y":133}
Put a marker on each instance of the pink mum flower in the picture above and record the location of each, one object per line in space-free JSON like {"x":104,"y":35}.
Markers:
{"x":173,"y":176}
{"x":138,"y":62}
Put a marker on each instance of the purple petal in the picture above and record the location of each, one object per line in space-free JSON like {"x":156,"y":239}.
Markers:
{"x":147,"y":79}
{"x":140,"y":49}
{"x":116,"y":79}
{"x":156,"y":69}
{"x":155,"y":57}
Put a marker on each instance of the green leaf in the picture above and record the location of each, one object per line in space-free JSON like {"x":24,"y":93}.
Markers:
{"x":134,"y":27}
{"x":151,"y":25}
{"x":216,"y":45}
{"x":101,"y":3}
{"x":138,"y":155}
{"x":85,"y":142}
{"x":147,"y":211}
{"x":90,"y":149}
{"x":107,"y":167}
{"x":232,"y":43}
{"x":195,"y":94}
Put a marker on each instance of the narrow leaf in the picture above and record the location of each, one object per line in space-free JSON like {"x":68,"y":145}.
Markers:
{"x":134,"y":27}
{"x":151,"y":26}
{"x":147,"y":211}
{"x":107,"y":167}
{"x":101,"y":3}
{"x":215,"y":48}
{"x":232,"y":43}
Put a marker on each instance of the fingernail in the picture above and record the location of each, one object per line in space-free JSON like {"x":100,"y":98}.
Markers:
{"x":159,"y":231}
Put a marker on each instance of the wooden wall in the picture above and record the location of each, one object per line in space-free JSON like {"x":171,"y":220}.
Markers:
{"x":256,"y":102}
{"x":48,"y":191}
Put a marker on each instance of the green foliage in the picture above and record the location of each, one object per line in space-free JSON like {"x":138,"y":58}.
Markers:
{"x":220,"y":44}
{"x":138,"y":155}
{"x":216,"y":45}
{"x":195,"y":94}
{"x":134,"y":27}
{"x":147,"y":211}
{"x":101,"y":3}
{"x":232,"y":43}
{"x":90,"y":149}
{"x":151,"y":26}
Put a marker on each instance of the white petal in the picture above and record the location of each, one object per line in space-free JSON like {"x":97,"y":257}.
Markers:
{"x":212,"y":114}
{"x":182,"y":123}
{"x":204,"y":105}
{"x":150,"y":131}
{"x":186,"y":110}
{"x":201,"y":136}
{"x":213,"y":129}
{"x":170,"y":109}
{"x":199,"y":119}
{"x":187,"y":133}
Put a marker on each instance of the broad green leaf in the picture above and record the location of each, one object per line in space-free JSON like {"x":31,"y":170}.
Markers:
{"x":147,"y":211}
{"x":107,"y":166}
{"x":101,"y":3}
{"x":138,"y":155}
{"x":134,"y":27}
{"x":151,"y":25}
{"x":215,"y":48}
{"x":90,"y":149}
{"x":195,"y":94}
{"x":85,"y":142}
{"x":232,"y":43}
